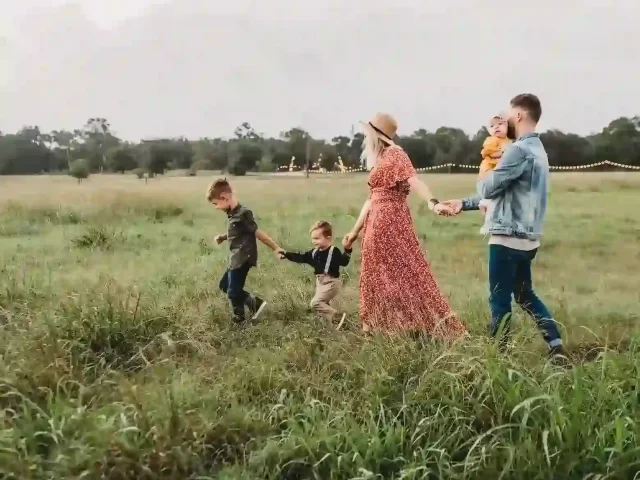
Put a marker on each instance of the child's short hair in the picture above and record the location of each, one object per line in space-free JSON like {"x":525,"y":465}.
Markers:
{"x":324,"y":227}
{"x":217,"y":188}
{"x":496,"y":119}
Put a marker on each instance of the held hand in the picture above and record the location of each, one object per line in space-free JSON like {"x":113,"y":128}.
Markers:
{"x":219,"y":239}
{"x":280,"y":253}
{"x":455,"y":205}
{"x":348,"y":239}
{"x":444,"y":210}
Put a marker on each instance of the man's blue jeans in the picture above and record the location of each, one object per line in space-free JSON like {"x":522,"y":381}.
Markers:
{"x":510,"y":275}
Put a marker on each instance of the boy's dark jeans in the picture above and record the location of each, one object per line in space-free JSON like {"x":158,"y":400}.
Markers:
{"x":510,"y":274}
{"x":232,"y":284}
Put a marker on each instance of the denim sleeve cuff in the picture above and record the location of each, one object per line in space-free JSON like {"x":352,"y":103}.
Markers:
{"x":470,"y":204}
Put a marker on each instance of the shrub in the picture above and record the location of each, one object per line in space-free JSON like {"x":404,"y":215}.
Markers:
{"x":203,"y":164}
{"x":96,"y":238}
{"x":237,"y":169}
{"x":79,"y":169}
{"x":139,"y":172}
{"x":266,"y":164}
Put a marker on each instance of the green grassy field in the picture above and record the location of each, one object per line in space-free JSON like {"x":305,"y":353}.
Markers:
{"x":118,"y":359}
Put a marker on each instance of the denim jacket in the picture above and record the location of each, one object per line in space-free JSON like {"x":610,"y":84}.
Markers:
{"x":519,"y":186}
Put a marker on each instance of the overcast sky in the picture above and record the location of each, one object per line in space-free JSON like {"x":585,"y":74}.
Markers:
{"x":200,"y":67}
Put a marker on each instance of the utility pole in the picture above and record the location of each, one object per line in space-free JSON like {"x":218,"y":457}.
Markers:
{"x":353,"y":134}
{"x":308,"y":155}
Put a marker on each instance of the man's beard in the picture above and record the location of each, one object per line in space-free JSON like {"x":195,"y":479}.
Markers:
{"x":511,"y":130}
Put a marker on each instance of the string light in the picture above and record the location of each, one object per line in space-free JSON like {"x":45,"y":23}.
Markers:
{"x":345,"y":169}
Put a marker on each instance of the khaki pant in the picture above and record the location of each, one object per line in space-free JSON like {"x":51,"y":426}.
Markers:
{"x":326,"y":290}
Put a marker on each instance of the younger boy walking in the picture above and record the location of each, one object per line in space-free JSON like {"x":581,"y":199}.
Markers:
{"x":326,"y":261}
{"x":242,"y":233}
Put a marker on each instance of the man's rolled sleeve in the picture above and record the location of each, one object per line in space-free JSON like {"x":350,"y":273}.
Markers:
{"x":471,"y":203}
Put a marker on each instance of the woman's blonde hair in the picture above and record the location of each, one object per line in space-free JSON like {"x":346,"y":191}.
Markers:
{"x":372,"y":147}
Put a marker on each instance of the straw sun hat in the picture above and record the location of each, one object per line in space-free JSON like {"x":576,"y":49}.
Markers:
{"x":385,"y":127}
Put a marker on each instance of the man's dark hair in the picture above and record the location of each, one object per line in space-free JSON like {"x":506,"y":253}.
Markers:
{"x":529,"y":103}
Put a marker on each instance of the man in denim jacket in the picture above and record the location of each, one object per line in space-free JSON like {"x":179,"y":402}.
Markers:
{"x":519,"y":187}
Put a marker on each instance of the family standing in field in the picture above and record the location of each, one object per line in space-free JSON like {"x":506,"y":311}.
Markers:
{"x":398,"y":291}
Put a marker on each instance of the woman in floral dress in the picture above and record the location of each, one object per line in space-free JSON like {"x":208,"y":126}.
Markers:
{"x":398,"y":292}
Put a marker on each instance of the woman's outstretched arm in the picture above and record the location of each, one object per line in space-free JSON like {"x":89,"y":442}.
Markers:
{"x":357,"y":228}
{"x":424,"y":192}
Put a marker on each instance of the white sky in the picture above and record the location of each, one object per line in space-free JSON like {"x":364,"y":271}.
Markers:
{"x":104,"y":14}
{"x":201,"y":67}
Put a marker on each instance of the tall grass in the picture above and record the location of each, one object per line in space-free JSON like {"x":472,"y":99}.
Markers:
{"x":121,"y":363}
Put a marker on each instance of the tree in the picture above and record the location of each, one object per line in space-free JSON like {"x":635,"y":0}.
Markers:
{"x":296,"y":140}
{"x":246,"y":131}
{"x":266,"y":163}
{"x":302,"y":146}
{"x":32,"y":151}
{"x":567,"y":149}
{"x":236,"y":168}
{"x":121,"y":159}
{"x":210,"y":154}
{"x":328,"y":156}
{"x":139,"y":172}
{"x":79,"y":169}
{"x":244,"y":154}
{"x":619,"y":141}
{"x":157,"y":156}
{"x":20,"y":155}
{"x":98,"y":139}
{"x":64,"y":139}
{"x":421,"y":149}
{"x":342,"y":146}
{"x":31,"y":134}
{"x":278,"y":150}
{"x":182,"y":154}
{"x":452,"y":143}
{"x":356,"y":149}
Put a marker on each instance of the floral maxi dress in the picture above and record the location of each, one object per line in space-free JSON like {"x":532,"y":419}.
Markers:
{"x":398,"y":292}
